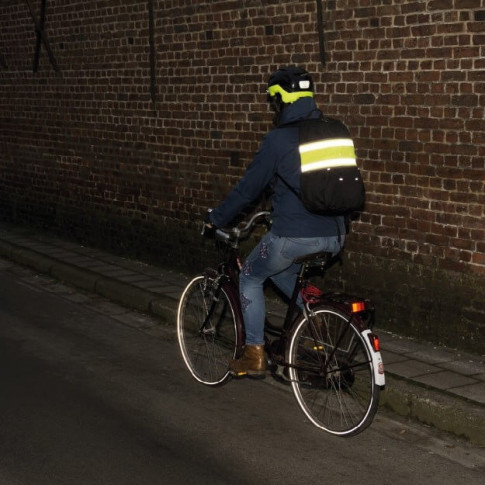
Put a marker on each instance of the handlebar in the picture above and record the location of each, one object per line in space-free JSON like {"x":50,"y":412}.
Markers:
{"x":234,"y":234}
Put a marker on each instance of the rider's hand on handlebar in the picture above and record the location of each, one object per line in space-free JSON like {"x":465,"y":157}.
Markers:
{"x":207,"y":219}
{"x":208,"y":228}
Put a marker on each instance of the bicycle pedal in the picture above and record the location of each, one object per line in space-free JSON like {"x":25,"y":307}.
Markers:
{"x":238,"y":374}
{"x":282,"y":372}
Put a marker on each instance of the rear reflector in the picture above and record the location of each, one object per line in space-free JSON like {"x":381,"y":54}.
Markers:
{"x":358,"y":306}
{"x":374,"y":341}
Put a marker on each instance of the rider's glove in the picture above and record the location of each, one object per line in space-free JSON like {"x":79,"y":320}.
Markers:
{"x":208,"y":228}
{"x":207,"y":219}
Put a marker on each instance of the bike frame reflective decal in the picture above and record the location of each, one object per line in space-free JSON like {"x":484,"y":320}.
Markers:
{"x":376,"y":360}
{"x":332,"y":153}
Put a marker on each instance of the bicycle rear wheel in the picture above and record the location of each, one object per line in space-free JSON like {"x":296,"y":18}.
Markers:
{"x":331,"y":372}
{"x":206,"y":330}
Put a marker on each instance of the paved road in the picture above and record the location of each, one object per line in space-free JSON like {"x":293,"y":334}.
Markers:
{"x":95,"y":394}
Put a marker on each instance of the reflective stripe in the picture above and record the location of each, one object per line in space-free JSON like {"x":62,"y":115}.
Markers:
{"x":337,"y":152}
{"x":330,"y":143}
{"x":286,"y":96}
{"x":321,"y":164}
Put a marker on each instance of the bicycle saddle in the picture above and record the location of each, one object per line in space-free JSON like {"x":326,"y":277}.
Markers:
{"x":320,"y":257}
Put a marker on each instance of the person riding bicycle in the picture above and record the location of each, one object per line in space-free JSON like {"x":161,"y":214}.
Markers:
{"x":295,"y":231}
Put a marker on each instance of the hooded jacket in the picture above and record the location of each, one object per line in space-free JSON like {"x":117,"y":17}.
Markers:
{"x":278,"y":154}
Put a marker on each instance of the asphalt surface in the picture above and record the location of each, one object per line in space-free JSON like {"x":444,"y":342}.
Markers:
{"x":96,"y":393}
{"x":441,"y":387}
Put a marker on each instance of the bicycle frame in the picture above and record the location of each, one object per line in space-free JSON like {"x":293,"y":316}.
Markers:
{"x":308,"y":313}
{"x":228,"y":274}
{"x":324,"y":347}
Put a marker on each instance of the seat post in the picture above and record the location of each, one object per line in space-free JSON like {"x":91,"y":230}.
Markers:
{"x":296,"y":291}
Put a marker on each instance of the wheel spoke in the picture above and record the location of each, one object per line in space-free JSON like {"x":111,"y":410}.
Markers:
{"x":206,"y":328}
{"x":332,"y":374}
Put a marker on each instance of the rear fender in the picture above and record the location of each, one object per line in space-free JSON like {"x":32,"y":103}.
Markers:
{"x":376,"y":357}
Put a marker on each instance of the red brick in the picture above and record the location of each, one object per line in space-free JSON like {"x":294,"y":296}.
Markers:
{"x":407,"y":77}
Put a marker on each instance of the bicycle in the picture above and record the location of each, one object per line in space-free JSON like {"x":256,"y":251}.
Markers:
{"x":327,"y":352}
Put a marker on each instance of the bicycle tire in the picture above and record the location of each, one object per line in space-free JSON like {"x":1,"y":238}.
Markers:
{"x":342,"y":397}
{"x":206,"y":344}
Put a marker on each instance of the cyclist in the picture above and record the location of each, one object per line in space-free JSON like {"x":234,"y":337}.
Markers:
{"x":295,"y":231}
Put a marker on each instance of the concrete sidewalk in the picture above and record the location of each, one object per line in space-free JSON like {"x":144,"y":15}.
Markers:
{"x":438,"y":386}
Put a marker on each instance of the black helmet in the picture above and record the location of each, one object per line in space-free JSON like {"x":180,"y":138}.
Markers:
{"x":292,"y":83}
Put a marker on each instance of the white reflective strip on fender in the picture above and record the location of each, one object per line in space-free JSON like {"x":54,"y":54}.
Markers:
{"x":376,"y":360}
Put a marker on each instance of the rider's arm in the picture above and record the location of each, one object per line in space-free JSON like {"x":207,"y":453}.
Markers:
{"x":258,"y":174}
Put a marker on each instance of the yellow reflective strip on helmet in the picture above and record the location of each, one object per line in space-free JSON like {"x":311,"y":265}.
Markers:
{"x":332,"y":153}
{"x":288,"y":97}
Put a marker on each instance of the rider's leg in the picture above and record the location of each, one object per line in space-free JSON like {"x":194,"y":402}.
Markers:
{"x":272,"y":257}
{"x":263,"y":261}
{"x":294,"y":247}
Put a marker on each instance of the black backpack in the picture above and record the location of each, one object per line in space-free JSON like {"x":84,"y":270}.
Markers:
{"x":330,"y":181}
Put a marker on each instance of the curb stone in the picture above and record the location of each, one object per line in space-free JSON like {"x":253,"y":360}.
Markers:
{"x":450,"y":413}
{"x":447,"y":413}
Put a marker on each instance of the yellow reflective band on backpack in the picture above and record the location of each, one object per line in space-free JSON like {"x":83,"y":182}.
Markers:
{"x":336,"y":152}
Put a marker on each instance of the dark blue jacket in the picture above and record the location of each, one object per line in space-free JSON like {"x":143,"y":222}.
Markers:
{"x":278,"y":153}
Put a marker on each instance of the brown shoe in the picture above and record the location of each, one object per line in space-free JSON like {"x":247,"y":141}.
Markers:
{"x":252,"y":363}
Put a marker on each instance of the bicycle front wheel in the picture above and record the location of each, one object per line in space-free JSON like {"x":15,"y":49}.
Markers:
{"x":331,"y":372}
{"x":206,"y":329}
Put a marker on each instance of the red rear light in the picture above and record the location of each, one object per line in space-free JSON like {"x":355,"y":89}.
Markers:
{"x":374,"y":341}
{"x":311,"y":294}
{"x":357,"y":306}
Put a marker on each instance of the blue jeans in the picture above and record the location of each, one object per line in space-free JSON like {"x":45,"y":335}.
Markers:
{"x":273,"y":258}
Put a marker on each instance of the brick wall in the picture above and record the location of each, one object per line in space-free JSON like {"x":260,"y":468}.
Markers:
{"x":126,"y":147}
